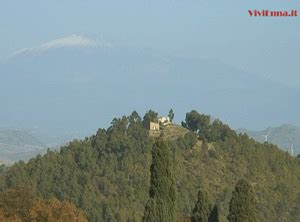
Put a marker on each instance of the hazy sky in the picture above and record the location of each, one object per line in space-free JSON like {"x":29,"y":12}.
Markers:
{"x":218,"y":29}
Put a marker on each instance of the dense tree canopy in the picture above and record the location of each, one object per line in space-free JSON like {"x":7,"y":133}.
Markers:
{"x":56,"y":211}
{"x":161,"y":205}
{"x":202,"y":208}
{"x":242,"y":204}
{"x":22,"y":205}
{"x":207,"y":129}
{"x":107,"y":175}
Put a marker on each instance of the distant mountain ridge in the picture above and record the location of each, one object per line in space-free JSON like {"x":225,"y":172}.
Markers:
{"x":77,"y":85}
{"x":23,"y":144}
{"x":284,"y":136}
{"x":18,"y":144}
{"x":74,"y":40}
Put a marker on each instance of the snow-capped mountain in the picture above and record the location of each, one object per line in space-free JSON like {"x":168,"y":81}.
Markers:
{"x":71,"y":41}
{"x":78,"y":82}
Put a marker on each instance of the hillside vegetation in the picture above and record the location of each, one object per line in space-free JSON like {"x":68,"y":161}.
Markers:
{"x":107,"y":175}
{"x":284,"y":136}
{"x":17,"y":205}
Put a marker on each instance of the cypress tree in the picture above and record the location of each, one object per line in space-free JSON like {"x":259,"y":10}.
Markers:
{"x":242,"y":204}
{"x":161,"y":204}
{"x":202,"y":208}
{"x":214,"y":215}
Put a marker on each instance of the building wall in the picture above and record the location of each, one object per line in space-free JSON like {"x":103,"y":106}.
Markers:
{"x":154,"y":126}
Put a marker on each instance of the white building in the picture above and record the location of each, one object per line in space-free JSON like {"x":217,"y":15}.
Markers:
{"x":164,"y":121}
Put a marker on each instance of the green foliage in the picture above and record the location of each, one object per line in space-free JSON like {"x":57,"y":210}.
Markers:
{"x":202,"y":208}
{"x":242,"y":204}
{"x":2,"y":169}
{"x":17,"y":202}
{"x":206,"y":129}
{"x":196,"y":122}
{"x":214,"y":215}
{"x":20,"y":204}
{"x":171,"y":115}
{"x":107,"y":175}
{"x":161,"y":205}
{"x":187,"y":141}
{"x":150,"y":116}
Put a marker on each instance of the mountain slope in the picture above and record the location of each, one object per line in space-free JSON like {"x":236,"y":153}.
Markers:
{"x":77,"y":41}
{"x":107,"y":174}
{"x":18,"y":144}
{"x":284,"y":136}
{"x":23,"y":144}
{"x":62,"y":79}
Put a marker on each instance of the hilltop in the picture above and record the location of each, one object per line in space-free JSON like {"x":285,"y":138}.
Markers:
{"x":172,"y":131}
{"x":107,"y":174}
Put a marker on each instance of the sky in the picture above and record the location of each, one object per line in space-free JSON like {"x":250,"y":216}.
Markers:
{"x":218,"y":29}
{"x":221,"y":30}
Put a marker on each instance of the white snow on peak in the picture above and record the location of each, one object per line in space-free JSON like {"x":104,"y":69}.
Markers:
{"x":74,"y":41}
{"x":71,"y":41}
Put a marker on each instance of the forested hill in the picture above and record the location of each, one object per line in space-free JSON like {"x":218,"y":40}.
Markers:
{"x":108,"y":174}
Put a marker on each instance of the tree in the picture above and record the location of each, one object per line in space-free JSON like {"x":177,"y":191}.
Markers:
{"x":8,"y":218}
{"x":150,"y":116}
{"x":54,"y":210}
{"x":202,"y":208}
{"x":161,"y":205}
{"x":171,"y":115}
{"x":20,"y":204}
{"x":17,"y":202}
{"x":197,"y":122}
{"x":219,"y":131}
{"x":214,"y":215}
{"x":242,"y":204}
{"x":2,"y":169}
{"x":134,"y":117}
{"x":207,"y":130}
